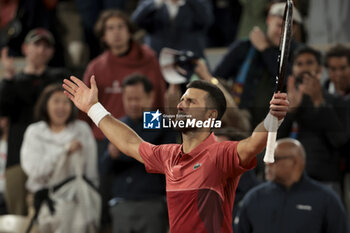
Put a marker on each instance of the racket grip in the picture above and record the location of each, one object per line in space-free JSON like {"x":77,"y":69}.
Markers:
{"x":271,"y":140}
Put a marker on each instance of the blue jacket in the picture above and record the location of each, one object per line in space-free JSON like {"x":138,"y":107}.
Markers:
{"x":307,"y":206}
{"x":186,"y":32}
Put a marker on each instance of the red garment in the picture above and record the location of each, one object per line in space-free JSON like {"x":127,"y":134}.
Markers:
{"x":201,"y":184}
{"x":110,"y":71}
{"x":8,"y":10}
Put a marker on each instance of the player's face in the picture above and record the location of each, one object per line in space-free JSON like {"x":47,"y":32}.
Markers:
{"x":194,"y":104}
{"x":274,"y":29}
{"x":339,"y":72}
{"x":136,"y":100}
{"x":282,"y":168}
{"x":38,"y":53}
{"x":116,"y":33}
{"x":59,"y":108}
{"x":305,"y":62}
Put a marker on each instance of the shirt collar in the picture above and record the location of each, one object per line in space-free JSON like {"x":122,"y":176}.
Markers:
{"x":206,"y":142}
{"x":173,"y":8}
{"x":178,"y":3}
{"x":295,"y":185}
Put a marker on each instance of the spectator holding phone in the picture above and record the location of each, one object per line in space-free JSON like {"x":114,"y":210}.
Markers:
{"x":316,"y":117}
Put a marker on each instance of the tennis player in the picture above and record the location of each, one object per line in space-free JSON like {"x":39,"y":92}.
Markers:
{"x":201,"y":173}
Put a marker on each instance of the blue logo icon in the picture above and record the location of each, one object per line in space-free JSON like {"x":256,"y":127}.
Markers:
{"x":151,"y":120}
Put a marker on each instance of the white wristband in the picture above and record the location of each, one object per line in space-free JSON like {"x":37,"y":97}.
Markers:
{"x":268,"y":122}
{"x":97,"y":112}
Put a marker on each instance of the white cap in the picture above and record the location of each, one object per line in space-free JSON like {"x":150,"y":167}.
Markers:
{"x":278,"y":9}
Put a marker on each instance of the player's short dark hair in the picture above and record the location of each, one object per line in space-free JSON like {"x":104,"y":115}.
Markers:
{"x":306,"y":49}
{"x":40,"y":109}
{"x":338,"y":50}
{"x":136,"y":79}
{"x":215,"y":96}
{"x":100,"y":26}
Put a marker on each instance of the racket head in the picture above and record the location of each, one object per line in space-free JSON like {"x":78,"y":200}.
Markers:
{"x":286,"y":37}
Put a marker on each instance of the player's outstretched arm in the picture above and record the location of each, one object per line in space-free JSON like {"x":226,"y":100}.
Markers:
{"x":253,"y":145}
{"x":86,"y":99}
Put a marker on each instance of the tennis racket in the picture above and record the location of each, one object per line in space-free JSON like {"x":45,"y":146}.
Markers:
{"x":282,"y":64}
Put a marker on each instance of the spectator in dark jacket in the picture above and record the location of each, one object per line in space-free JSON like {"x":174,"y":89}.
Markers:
{"x":252,"y":64}
{"x":337,"y":61}
{"x":290,"y":201}
{"x":316,"y":118}
{"x":176,"y":24}
{"x":138,"y":198}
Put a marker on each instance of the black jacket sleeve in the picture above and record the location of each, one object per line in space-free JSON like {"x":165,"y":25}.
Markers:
{"x":7,"y":98}
{"x":231,"y":63}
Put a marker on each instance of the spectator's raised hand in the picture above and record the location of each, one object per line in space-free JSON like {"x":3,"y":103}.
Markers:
{"x":295,"y":93}
{"x":201,"y":70}
{"x":8,"y":63}
{"x":82,"y":96}
{"x":74,"y":146}
{"x":313,"y":87}
{"x":258,"y":39}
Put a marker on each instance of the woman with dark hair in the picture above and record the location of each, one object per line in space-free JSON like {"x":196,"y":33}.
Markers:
{"x":57,"y":133}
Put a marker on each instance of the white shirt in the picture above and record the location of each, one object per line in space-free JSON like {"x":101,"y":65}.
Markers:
{"x":42,"y":148}
{"x":173,"y":8}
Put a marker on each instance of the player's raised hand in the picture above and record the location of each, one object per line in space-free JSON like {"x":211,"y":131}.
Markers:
{"x":279,"y":105}
{"x":82,"y":96}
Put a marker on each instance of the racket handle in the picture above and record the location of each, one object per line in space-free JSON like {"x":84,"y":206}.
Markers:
{"x":271,"y":141}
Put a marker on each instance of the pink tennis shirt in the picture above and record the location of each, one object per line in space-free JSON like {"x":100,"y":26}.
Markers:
{"x":200,"y":185}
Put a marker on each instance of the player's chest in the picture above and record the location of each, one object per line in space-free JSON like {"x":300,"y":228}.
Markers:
{"x":192,"y":173}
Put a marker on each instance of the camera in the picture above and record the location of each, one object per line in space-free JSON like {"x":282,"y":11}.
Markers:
{"x":299,"y":78}
{"x":185,"y":60}
{"x":177,"y":66}
{"x":298,"y":81}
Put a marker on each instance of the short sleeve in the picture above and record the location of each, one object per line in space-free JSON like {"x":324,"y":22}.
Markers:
{"x":227,"y":159}
{"x":153,"y":157}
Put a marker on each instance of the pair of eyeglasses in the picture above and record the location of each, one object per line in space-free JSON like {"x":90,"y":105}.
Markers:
{"x":278,"y":158}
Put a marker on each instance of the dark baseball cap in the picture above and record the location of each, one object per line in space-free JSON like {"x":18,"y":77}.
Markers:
{"x":39,"y":34}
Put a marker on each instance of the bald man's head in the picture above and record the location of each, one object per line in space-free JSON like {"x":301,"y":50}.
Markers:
{"x":292,"y":144}
{"x":289,"y":162}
